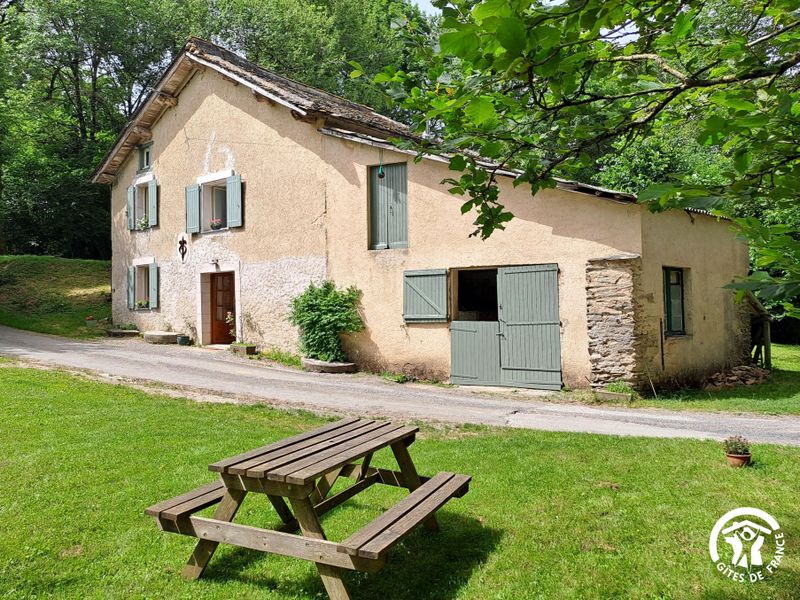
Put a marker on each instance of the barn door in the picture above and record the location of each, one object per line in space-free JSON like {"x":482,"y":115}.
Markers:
{"x":475,"y":352}
{"x":530,"y":342}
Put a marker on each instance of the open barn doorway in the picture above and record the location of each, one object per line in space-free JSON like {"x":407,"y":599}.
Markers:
{"x":506,"y":327}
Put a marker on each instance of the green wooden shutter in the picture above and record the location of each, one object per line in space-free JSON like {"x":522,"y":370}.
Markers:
{"x":131,"y":208}
{"x":388,"y":207}
{"x":530,"y":329}
{"x":397,"y":205}
{"x":131,"y":288}
{"x":425,"y":296}
{"x":153,"y":297}
{"x":193,"y":209}
{"x":378,"y":212}
{"x":234,"y":195}
{"x":152,"y":201}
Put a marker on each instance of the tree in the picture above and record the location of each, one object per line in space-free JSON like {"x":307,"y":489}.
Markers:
{"x":72,"y":73}
{"x":660,"y":158}
{"x":315,"y":42}
{"x":545,"y":87}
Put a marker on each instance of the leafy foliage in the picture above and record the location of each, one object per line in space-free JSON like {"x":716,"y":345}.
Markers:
{"x":658,"y":158}
{"x":544,"y":88}
{"x":323,"y":313}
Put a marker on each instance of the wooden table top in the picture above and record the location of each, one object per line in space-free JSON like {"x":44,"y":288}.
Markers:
{"x":303,"y":458}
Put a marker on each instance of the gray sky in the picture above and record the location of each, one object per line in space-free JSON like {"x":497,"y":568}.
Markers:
{"x":426,"y":6}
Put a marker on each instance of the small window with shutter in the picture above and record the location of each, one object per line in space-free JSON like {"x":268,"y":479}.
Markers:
{"x":143,"y":205}
{"x":388,"y":207}
{"x":145,"y":157}
{"x":143,"y":286}
{"x":425,"y":296}
{"x":214,"y":205}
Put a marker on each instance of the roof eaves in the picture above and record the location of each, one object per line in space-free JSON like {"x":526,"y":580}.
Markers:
{"x":99,"y":172}
{"x":255,"y":88}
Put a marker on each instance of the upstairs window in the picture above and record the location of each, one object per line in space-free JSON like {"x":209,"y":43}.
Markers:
{"x":388,"y":207}
{"x":215,"y":204}
{"x":143,"y":204}
{"x":145,"y":157}
{"x":141,"y":209}
{"x":674,"y":301}
{"x":214,"y":209}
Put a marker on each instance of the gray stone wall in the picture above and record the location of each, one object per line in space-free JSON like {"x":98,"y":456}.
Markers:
{"x":612,"y":312}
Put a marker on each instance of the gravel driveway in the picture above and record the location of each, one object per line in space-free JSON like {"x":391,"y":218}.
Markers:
{"x":215,"y":372}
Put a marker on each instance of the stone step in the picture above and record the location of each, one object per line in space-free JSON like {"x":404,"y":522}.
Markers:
{"x":122,"y":332}
{"x":321,"y":366}
{"x":160,"y":337}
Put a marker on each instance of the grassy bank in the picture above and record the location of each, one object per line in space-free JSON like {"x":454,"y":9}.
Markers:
{"x":549,"y":515}
{"x":54,"y":295}
{"x":780,"y":394}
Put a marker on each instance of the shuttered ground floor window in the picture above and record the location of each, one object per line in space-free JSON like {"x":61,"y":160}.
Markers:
{"x":425,"y":296}
{"x":143,"y":286}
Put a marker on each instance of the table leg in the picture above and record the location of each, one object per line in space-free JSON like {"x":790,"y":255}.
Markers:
{"x":280,"y":507}
{"x":204,"y":550}
{"x":411,"y":477}
{"x":310,"y":526}
{"x":324,"y":486}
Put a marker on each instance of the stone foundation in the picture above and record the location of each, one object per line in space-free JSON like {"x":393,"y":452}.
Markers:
{"x":612,"y":313}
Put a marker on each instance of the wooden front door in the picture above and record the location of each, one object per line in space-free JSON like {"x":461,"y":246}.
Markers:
{"x":223,"y":301}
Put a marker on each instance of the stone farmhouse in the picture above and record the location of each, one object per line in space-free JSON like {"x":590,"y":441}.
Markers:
{"x":234,"y":187}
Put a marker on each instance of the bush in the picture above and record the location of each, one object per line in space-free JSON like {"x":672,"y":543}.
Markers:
{"x":323,"y":313}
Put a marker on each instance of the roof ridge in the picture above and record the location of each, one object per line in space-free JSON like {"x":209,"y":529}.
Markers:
{"x":195,"y":40}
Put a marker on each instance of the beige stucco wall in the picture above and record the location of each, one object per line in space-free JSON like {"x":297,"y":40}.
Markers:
{"x":717,"y":333}
{"x":216,"y":126}
{"x":554,"y":227}
{"x":306,"y":218}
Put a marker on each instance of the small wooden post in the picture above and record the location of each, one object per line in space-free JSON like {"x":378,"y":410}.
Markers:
{"x":767,"y":344}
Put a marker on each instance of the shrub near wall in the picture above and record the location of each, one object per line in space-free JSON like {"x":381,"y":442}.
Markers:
{"x":323,"y":313}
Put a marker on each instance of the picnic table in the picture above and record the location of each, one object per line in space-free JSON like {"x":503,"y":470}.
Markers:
{"x":303,"y":469}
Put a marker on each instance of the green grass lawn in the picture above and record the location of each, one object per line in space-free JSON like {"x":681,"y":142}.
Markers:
{"x":54,"y":295}
{"x":549,"y":515}
{"x":780,"y":394}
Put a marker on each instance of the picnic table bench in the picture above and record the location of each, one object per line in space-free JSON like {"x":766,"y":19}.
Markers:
{"x":302,"y":469}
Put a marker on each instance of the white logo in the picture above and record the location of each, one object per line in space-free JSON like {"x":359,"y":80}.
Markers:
{"x":754,"y":544}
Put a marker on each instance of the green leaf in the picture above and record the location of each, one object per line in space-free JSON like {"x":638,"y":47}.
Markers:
{"x":656,"y":191}
{"x":547,"y":36}
{"x":742,"y":160}
{"x":462,"y":42}
{"x":480,"y":111}
{"x":731,"y":101}
{"x":511,"y":34}
{"x":684,"y":23}
{"x":491,"y":8}
{"x":458,"y":163}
